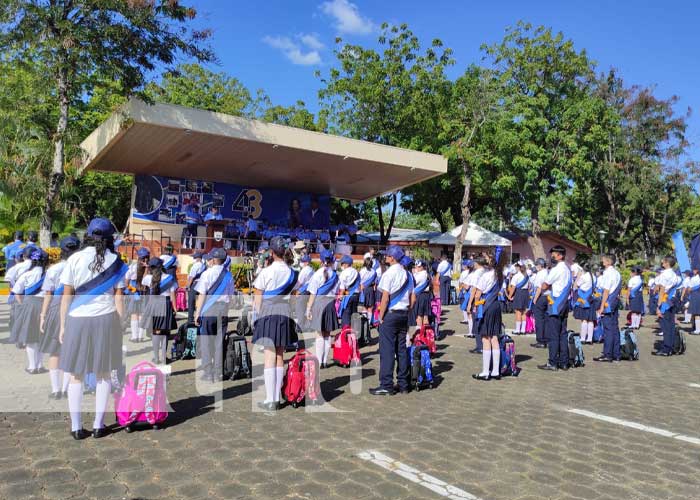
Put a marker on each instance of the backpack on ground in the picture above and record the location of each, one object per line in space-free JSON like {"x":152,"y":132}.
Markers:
{"x":177,"y":349}
{"x":375,"y":315}
{"x":345,"y":351}
{"x":509,"y":365}
{"x":421,"y":366}
{"x":181,"y":299}
{"x":190,"y":341}
{"x":143,"y":397}
{"x":237,"y":362}
{"x":598,"y":332}
{"x":679,"y":345}
{"x":244,"y":327}
{"x":425,"y":336}
{"x":302,"y":380}
{"x":576,"y":357}
{"x":360,"y":325}
{"x":436,"y":308}
{"x":529,"y":322}
{"x":453,"y":296}
{"x":628,"y":345}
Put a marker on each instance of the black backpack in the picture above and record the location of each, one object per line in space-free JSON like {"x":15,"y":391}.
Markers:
{"x":360,"y":325}
{"x":237,"y":362}
{"x":679,"y":345}
{"x":244,"y":326}
{"x":576,"y":356}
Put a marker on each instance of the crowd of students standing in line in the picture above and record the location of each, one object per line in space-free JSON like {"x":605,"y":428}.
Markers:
{"x":72,"y":311}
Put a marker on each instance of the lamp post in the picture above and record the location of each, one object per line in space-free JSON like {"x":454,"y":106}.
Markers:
{"x":601,"y":237}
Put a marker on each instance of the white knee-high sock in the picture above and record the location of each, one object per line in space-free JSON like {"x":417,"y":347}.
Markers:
{"x":485,"y":362}
{"x":134,"y":329}
{"x":687,"y":316}
{"x":142,"y":333}
{"x":697,"y":325}
{"x":164,"y":348}
{"x":279,"y":377}
{"x":75,"y":400}
{"x":31,"y":356}
{"x":270,"y":375}
{"x":102,"y":391}
{"x":465,"y":315}
{"x":637,"y":320}
{"x":519,"y":327}
{"x":326,"y":349}
{"x":39,"y":356}
{"x":584,"y":329}
{"x":66,"y":381}
{"x":155,"y":340}
{"x":470,"y":325}
{"x":55,"y":377}
{"x":496,"y":354}
{"x":591,"y":328}
{"x":320,"y":346}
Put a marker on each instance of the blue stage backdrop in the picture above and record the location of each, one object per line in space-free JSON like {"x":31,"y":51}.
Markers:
{"x":163,"y":199}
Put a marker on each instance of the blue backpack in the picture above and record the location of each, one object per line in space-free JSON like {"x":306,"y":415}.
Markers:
{"x":509,"y":366}
{"x":576,"y":357}
{"x":628,"y":345}
{"x":421,"y":366}
{"x":598,"y":332}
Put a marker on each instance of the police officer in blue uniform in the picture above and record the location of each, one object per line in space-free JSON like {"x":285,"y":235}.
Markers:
{"x":396,"y":288}
{"x":10,"y":249}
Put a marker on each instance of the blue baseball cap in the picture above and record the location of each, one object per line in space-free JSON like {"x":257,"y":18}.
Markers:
{"x":69,"y":243}
{"x":206,"y":256}
{"x":143,"y":252}
{"x":218,"y":253}
{"x":155,"y":262}
{"x":197,"y":255}
{"x":467,"y":263}
{"x":100,"y":227}
{"x":37,"y":254}
{"x":346,"y":259}
{"x":327,"y":256}
{"x":395,"y":252}
{"x":406,"y":261}
{"x":305,"y":258}
{"x":419,"y":263}
{"x":278,"y":244}
{"x":28,"y":251}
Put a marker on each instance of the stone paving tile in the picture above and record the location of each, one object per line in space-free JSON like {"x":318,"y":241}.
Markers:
{"x":498,"y":440}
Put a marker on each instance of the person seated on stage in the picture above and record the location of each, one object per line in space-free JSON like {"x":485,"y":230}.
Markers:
{"x":213,"y":214}
{"x":268,"y":233}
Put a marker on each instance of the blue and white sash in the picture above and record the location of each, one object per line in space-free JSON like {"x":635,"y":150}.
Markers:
{"x":328,"y":285}
{"x":100,"y":284}
{"x":285,"y":289}
{"x":399,"y":294}
{"x":557,"y":304}
{"x":217,"y":289}
{"x":354,"y":288}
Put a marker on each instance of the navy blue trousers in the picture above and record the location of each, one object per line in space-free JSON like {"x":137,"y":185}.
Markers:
{"x":539,"y":311}
{"x":557,"y":340}
{"x":668,"y":327}
{"x":392,"y":345}
{"x":445,"y":284}
{"x":611,"y":335}
{"x":475,"y":330}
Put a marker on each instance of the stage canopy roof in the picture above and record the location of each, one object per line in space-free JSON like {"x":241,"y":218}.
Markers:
{"x":175,"y":141}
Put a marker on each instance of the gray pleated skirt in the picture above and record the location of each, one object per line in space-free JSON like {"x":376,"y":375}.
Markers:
{"x":26,"y":324}
{"x":52,"y":328}
{"x":91,"y":344}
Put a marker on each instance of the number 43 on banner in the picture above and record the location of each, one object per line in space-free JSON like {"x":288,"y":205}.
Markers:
{"x":249,"y":202}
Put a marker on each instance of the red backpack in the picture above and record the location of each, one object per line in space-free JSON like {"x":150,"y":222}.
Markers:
{"x":181,"y":299}
{"x":301,"y":380}
{"x":345,"y":350}
{"x":425,"y":336}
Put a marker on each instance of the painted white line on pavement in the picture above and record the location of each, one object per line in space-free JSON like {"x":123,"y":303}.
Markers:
{"x":415,"y":476}
{"x":635,"y":425}
{"x":696,"y":386}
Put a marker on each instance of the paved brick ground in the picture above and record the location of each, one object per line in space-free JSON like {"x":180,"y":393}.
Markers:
{"x":512,"y":439}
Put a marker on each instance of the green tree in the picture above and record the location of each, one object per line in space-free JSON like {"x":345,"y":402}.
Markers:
{"x":394,"y":97}
{"x":81,"y":41}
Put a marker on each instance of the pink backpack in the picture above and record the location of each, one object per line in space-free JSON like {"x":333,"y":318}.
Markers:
{"x":529,"y":322}
{"x":436,"y":307}
{"x":301,"y":380}
{"x":181,"y":299}
{"x":345,"y":350}
{"x":143,"y":397}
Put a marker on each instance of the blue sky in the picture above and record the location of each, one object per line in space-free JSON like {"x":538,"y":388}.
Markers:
{"x":278,"y":45}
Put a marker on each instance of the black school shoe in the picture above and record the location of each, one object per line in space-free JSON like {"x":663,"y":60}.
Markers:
{"x":476,"y":351}
{"x":380,"y":391}
{"x":479,"y":376}
{"x":660,"y":353}
{"x":538,"y":345}
{"x":548,"y":367}
{"x":80,"y":434}
{"x":603,"y":359}
{"x":100,"y":433}
{"x":271,"y":406}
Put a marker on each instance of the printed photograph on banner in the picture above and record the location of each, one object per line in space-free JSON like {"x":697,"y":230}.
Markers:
{"x":173,"y":200}
{"x":192,"y":186}
{"x":207,"y":187}
{"x":188,"y":197}
{"x":174,"y":186}
{"x":218,"y":201}
{"x":165,"y":214}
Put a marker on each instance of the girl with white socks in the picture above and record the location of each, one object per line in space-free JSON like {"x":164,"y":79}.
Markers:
{"x":635,"y":286}
{"x":489,"y":311}
{"x":368,"y":277}
{"x":320,"y":310}
{"x":467,"y":266}
{"x":134,"y":298}
{"x":159,"y":312}
{"x":90,"y":334}
{"x":275,"y":328}
{"x":421,"y":289}
{"x":519,"y":293}
{"x":694,"y":299}
{"x":30,"y":297}
{"x":585,"y":307}
{"x":50,"y":318}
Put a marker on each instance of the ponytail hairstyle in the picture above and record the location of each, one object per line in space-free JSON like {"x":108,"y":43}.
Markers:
{"x":498,"y":264}
{"x":156,"y":275}
{"x":368,"y":263}
{"x":141,"y":269}
{"x":101,"y":245}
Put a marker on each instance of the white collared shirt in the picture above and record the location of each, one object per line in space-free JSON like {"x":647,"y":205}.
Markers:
{"x":539,"y":277}
{"x":392,"y":280}
{"x":318,"y":280}
{"x":52,"y":280}
{"x":487,"y":280}
{"x":584,"y":282}
{"x":148,"y":280}
{"x":420,"y":277}
{"x":517,"y":278}
{"x":463,"y":277}
{"x":27,"y":280}
{"x":610,"y":279}
{"x":634,"y":282}
{"x":558,"y":278}
{"x":474,"y":276}
{"x":305,"y":274}
{"x":443,"y":266}
{"x":208,"y":278}
{"x":668,"y":279}
{"x":347,"y":278}
{"x":196,"y":268}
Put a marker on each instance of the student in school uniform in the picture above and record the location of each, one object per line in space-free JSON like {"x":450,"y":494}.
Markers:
{"x":611,"y":284}
{"x":214,"y":290}
{"x":557,"y":288}
{"x":421,"y":291}
{"x":301,"y":291}
{"x":192,"y":220}
{"x":368,"y":280}
{"x":90,"y":332}
{"x":667,"y":284}
{"x":196,"y":271}
{"x":320,"y":309}
{"x":585,"y":309}
{"x":519,"y":293}
{"x":30,"y":296}
{"x":472,"y":280}
{"x":275,"y":328}
{"x":444,"y":269}
{"x":396,"y":289}
{"x":467,"y":266}
{"x":489,"y":312}
{"x":159,"y":313}
{"x":49,"y":319}
{"x":349,"y":283}
{"x":407,"y":263}
{"x":635,"y":286}
{"x":213,"y":214}
{"x":653,"y":303}
{"x":133,"y":293}
{"x":169,"y":260}
{"x":10,"y":249}
{"x":11,"y":276}
{"x":682,"y":296}
{"x":539,"y":303}
{"x":694,"y":299}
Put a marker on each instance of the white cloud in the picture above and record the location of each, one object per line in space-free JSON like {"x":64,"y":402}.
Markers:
{"x":293,"y":50}
{"x":311,"y":41}
{"x":347,"y":17}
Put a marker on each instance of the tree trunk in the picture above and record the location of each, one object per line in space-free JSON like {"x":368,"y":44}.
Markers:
{"x":382,"y":236}
{"x":57,"y":173}
{"x":394,"y":200}
{"x":535,"y":241}
{"x":466,"y":216}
